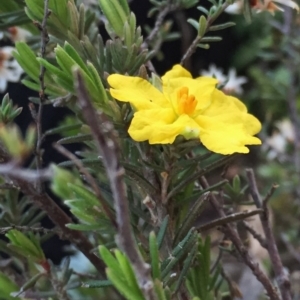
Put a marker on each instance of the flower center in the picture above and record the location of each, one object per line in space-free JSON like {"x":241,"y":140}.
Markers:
{"x":186,"y":103}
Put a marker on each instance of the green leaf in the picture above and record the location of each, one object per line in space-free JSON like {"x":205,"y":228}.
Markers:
{"x":26,"y":246}
{"x":96,"y":284}
{"x":73,"y":18}
{"x":87,"y":196}
{"x":125,"y":6}
{"x":50,"y":89}
{"x":63,"y":129}
{"x":194,"y":23}
{"x":35,"y":8}
{"x":162,"y":231}
{"x":202,"y":26}
{"x":60,"y":8}
{"x":87,"y":227}
{"x":102,"y":96}
{"x":7,"y":286}
{"x":110,"y":261}
{"x":75,"y":57}
{"x":186,"y":267}
{"x":115,"y":14}
{"x":221,"y":26}
{"x":211,"y":39}
{"x":122,"y":286}
{"x":158,"y":286}
{"x":191,"y":216}
{"x":27,"y":60}
{"x":178,"y":252}
{"x":154,"y":256}
{"x":9,"y":6}
{"x":56,"y":71}
{"x":60,"y":180}
{"x":75,"y":139}
{"x":128,"y":273}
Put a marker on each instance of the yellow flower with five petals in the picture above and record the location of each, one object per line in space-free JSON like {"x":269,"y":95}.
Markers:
{"x":193,"y":108}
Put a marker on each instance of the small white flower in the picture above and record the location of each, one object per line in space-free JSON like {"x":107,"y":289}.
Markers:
{"x":277,"y":143}
{"x":231,"y":83}
{"x":10,"y":70}
{"x":235,"y":8}
{"x":18,"y":34}
{"x":261,"y":5}
{"x":279,"y":140}
{"x":15,"y":34}
{"x":286,"y":128}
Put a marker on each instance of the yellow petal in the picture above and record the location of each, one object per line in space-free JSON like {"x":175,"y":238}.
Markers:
{"x":225,"y":138}
{"x":222,"y":104}
{"x":251,"y":124}
{"x":242,"y":107}
{"x":176,"y":72}
{"x":230,"y":110}
{"x":160,"y":126}
{"x":139,"y":92}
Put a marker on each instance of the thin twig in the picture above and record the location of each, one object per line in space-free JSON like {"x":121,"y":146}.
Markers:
{"x":90,"y":179}
{"x":38,"y":119}
{"x":4,"y":230}
{"x":11,"y":169}
{"x":197,"y":40}
{"x":234,"y":237}
{"x":282,"y":277}
{"x":107,"y":144}
{"x":158,"y":23}
{"x":186,"y":32}
{"x":255,"y":234}
{"x":229,"y":219}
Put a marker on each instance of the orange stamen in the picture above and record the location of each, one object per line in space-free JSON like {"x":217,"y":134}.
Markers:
{"x":186,"y":103}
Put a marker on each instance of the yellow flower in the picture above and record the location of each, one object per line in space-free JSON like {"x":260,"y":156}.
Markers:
{"x":193,"y":108}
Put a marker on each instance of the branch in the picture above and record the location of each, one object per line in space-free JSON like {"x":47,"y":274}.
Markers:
{"x":10,"y":169}
{"x":38,"y":117}
{"x":229,"y":219}
{"x":255,"y":234}
{"x":107,"y":144}
{"x":282,"y":277}
{"x":198,"y":38}
{"x":4,"y":230}
{"x":158,"y":23}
